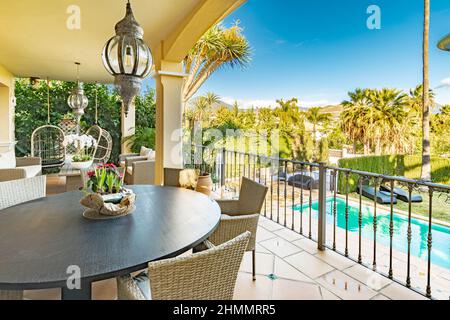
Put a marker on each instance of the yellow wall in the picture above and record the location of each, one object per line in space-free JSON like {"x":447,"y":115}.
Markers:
{"x":6,"y":109}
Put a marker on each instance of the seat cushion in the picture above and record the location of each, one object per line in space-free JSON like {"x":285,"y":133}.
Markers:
{"x":130,"y":170}
{"x":32,"y":171}
{"x":145,"y":152}
{"x":143,"y":282}
{"x":8,"y":160}
{"x":122,"y":164}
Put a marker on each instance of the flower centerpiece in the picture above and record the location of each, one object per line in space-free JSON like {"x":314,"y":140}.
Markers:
{"x":85,"y":147}
{"x":105,"y":195}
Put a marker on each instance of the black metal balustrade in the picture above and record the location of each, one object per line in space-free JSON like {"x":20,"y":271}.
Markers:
{"x":318,"y":181}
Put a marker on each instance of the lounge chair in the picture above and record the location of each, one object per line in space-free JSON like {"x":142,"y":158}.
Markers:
{"x":403,"y":195}
{"x":383,"y":197}
{"x":303,"y":181}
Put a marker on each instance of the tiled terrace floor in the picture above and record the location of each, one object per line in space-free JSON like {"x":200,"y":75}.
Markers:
{"x":289,"y":267}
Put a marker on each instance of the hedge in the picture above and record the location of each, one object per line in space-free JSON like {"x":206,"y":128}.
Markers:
{"x":399,"y":165}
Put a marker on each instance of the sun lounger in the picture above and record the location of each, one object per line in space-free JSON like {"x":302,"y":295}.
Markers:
{"x":403,"y":195}
{"x":383,"y":197}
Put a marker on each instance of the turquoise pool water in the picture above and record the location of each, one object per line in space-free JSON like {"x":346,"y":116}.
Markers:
{"x":440,"y":253}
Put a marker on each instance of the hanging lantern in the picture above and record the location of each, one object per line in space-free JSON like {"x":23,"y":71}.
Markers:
{"x":128,"y":58}
{"x":444,"y":44}
{"x":77,"y":101}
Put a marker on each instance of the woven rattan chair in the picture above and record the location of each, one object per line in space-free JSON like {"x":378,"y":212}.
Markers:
{"x":104,"y":145}
{"x":241,"y":215}
{"x":172,"y":177}
{"x":13,"y":193}
{"x":208,"y":275}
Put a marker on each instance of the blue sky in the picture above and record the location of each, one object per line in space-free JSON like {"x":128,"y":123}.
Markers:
{"x":319,"y":50}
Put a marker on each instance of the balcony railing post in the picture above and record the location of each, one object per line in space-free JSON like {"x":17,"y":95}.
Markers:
{"x":322,"y":222}
{"x":223,"y":167}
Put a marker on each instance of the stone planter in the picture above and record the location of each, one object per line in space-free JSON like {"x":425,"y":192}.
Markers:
{"x":204,"y":184}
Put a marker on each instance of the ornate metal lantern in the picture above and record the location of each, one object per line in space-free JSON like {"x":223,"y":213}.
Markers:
{"x":128,"y":58}
{"x":77,"y":101}
{"x":444,"y":44}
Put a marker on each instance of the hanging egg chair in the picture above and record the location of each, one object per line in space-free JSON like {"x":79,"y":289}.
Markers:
{"x":47,"y":142}
{"x":104,"y":139}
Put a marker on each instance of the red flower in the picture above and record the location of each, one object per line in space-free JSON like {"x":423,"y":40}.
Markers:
{"x":91,"y":174}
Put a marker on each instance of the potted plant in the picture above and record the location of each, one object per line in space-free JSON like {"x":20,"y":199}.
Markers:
{"x":85,"y":147}
{"x":105,"y":195}
{"x":204,"y":183}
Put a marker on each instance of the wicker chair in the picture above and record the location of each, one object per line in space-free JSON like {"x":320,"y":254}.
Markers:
{"x":104,"y":146}
{"x":209,"y":275}
{"x":239,"y":216}
{"x":13,"y":193}
{"x":139,"y":171}
{"x":172,"y":177}
{"x":25,"y":168}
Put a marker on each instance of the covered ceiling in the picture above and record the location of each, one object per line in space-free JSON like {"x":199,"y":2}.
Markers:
{"x":36,"y":42}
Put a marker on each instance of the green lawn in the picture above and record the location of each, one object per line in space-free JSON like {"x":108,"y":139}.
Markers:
{"x":441,"y":206}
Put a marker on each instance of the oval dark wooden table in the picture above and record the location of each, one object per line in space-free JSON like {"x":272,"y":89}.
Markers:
{"x":41,"y":241}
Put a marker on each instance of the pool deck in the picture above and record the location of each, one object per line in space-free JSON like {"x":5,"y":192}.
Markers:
{"x":290,"y":267}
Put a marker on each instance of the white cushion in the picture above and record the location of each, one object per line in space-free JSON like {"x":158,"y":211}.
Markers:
{"x":8,"y":160}
{"x":32,"y":171}
{"x":122,"y":164}
{"x":152,"y":155}
{"x":130,"y":170}
{"x":145,"y":152}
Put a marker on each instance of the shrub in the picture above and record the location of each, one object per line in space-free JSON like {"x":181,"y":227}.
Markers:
{"x":394,"y":165}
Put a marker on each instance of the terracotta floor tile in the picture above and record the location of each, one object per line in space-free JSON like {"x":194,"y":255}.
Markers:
{"x":307,"y":245}
{"x":309,"y":265}
{"x":263,"y":234}
{"x":396,"y":291}
{"x":280,"y":247}
{"x":286,"y":271}
{"x":345,"y":287}
{"x":264,"y":263}
{"x":246,"y":289}
{"x":335,"y":259}
{"x":368,"y":277}
{"x":294,"y":290}
{"x":288,"y":235}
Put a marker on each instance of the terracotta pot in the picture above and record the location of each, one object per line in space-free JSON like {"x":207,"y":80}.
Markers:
{"x":204,"y":184}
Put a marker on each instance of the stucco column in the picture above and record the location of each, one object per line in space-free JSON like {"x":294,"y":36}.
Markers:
{"x":169,"y":117}
{"x":128,"y":125}
{"x":7,"y":107}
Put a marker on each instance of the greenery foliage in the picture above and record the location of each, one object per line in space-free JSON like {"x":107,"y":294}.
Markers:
{"x":31,"y":110}
{"x":400,"y":165}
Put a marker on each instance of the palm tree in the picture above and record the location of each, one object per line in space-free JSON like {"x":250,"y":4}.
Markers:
{"x":316,"y":117}
{"x":202,"y":104}
{"x":219,"y":47}
{"x":426,"y":146}
{"x":353,"y":117}
{"x":414,"y":114}
{"x":387,"y":116}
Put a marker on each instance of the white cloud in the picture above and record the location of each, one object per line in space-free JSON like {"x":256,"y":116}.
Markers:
{"x":258,"y":103}
{"x":444,"y":83}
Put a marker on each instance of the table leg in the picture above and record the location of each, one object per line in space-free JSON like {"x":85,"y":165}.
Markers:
{"x":84,"y":293}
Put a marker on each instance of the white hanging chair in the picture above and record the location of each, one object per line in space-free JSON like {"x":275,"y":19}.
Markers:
{"x":103,"y":150}
{"x":47,"y":142}
{"x":104,"y":139}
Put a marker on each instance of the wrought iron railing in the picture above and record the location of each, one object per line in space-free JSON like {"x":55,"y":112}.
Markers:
{"x":299,"y":189}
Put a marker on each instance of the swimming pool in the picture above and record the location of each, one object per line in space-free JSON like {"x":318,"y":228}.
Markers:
{"x":440,"y":253}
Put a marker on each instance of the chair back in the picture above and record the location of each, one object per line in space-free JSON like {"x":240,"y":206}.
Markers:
{"x":208,"y":275}
{"x":47,"y":143}
{"x":20,"y":191}
{"x":251,"y":197}
{"x":172,"y":177}
{"x":104,"y":146}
